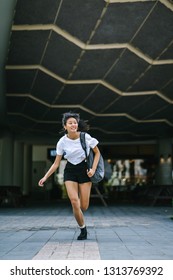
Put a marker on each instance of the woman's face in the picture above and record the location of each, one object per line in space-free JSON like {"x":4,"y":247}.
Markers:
{"x":71,"y":125}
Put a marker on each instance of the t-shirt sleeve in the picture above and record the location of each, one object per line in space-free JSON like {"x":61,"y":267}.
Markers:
{"x":59,"y":147}
{"x":91,"y":141}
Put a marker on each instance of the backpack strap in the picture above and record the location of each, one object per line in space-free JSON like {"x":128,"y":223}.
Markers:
{"x":83,"y":144}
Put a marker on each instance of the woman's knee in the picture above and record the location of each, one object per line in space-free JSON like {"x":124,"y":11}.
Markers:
{"x":75,"y":202}
{"x":84,"y":206}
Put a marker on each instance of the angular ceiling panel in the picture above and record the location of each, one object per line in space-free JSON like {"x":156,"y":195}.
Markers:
{"x":121,"y":22}
{"x":156,"y":34}
{"x":52,"y":116}
{"x":110,"y":61}
{"x":168,"y":89}
{"x":20,"y":123}
{"x":126,"y":70}
{"x":168,"y":52}
{"x":127,"y":104}
{"x":74,"y":94}
{"x":27,"y":47}
{"x":158,"y":130}
{"x":60,"y":56}
{"x":36,"y":11}
{"x":154,"y":79}
{"x":166,"y":113}
{"x":33,"y":109}
{"x":111,"y":124}
{"x":79,"y":17}
{"x":94,"y":64}
{"x":19,"y":81}
{"x":15,"y":104}
{"x":104,"y":96}
{"x":154,"y":104}
{"x":45,"y":87}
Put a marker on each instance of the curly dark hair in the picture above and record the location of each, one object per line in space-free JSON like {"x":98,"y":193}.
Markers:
{"x":68,"y":115}
{"x":82,"y":124}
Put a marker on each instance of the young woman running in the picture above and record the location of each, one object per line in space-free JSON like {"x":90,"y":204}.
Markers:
{"x":76,"y":176}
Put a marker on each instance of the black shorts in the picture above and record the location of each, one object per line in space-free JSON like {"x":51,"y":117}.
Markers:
{"x":76,"y":173}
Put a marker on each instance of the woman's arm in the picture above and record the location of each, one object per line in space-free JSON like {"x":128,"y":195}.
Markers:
{"x":51,"y":170}
{"x":92,"y":170}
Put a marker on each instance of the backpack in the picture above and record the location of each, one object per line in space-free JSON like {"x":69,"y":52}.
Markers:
{"x":100,"y":170}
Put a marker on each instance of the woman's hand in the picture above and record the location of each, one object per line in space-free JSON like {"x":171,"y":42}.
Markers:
{"x":91,"y":172}
{"x":41,"y":182}
{"x":51,"y":170}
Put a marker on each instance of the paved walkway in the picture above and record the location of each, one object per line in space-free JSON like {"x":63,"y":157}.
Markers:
{"x":115,"y":233}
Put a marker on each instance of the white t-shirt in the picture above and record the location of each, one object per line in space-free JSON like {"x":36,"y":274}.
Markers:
{"x":72,"y":149}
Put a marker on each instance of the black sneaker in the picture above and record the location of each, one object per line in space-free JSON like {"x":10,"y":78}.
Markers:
{"x":83,"y":234}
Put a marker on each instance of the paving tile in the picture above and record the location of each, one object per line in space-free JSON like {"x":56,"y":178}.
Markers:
{"x":114,"y":233}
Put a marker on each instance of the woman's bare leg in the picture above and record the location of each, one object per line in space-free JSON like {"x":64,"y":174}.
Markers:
{"x":73,"y":194}
{"x":84,"y":195}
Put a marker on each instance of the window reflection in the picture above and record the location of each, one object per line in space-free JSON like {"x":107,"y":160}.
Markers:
{"x":127,"y":172}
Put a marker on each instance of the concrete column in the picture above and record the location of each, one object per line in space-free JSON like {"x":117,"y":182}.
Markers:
{"x":7,"y":8}
{"x":6,"y":16}
{"x":27,"y":170}
{"x":18,"y":164}
{"x":6,"y":159}
{"x":164,"y":155}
